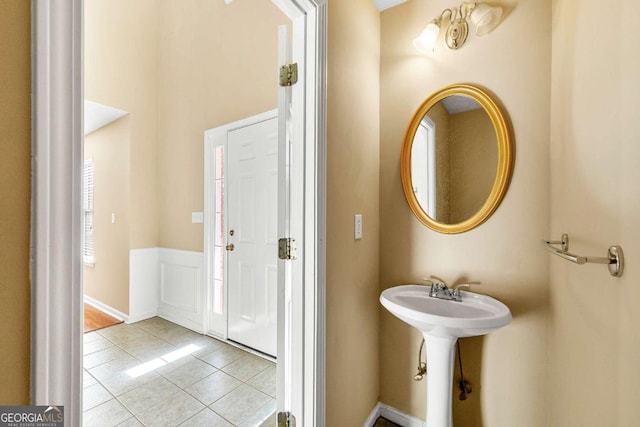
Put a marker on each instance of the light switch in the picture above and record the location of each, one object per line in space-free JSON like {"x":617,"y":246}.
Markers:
{"x":357,"y":227}
{"x":197,"y":217}
{"x":113,"y":218}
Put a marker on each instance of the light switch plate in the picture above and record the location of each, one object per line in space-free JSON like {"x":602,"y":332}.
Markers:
{"x":197,"y":217}
{"x":357,"y":226}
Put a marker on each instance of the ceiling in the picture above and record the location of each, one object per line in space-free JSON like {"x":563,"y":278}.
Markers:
{"x":98,"y":115}
{"x":386,"y":4}
{"x":459,"y":104}
{"x":380,"y":4}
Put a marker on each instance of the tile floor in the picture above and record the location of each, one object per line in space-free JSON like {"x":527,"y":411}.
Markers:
{"x":156,"y":373}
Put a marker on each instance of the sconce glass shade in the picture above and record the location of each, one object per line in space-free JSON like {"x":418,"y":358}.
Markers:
{"x":427,"y":39}
{"x":485,"y":18}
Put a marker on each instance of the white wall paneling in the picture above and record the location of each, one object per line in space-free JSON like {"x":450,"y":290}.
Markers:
{"x":144,"y":283}
{"x":181,"y":285}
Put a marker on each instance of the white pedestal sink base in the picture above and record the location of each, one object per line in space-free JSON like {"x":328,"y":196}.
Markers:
{"x":442,"y":321}
{"x":440,"y":356}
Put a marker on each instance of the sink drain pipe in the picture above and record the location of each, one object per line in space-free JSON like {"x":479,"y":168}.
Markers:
{"x":463,"y":384}
{"x":422,"y":366}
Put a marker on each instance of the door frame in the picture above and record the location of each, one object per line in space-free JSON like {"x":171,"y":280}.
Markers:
{"x":56,"y":221}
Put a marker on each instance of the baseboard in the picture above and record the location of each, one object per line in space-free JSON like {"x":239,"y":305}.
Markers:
{"x":106,"y":309}
{"x":373,"y":416}
{"x":394,"y":415}
{"x":180,"y":320}
{"x":142,"y":316}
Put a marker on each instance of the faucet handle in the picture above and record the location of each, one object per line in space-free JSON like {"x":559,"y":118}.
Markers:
{"x":435,"y":280}
{"x":456,"y":288}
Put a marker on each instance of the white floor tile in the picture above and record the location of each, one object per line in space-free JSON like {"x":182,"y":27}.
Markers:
{"x":155,"y":384}
{"x":94,"y":395}
{"x":206,"y":418}
{"x":172,"y":411}
{"x":241,"y":404}
{"x":109,"y":414}
{"x":213,"y":387}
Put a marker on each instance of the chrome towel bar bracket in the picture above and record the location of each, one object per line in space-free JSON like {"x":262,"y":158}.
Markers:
{"x":614,"y":258}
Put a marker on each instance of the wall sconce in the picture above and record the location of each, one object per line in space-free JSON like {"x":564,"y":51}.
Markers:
{"x":483,"y":17}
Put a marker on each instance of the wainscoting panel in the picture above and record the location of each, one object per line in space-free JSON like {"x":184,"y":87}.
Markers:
{"x":181,"y":288}
{"x":144,"y":281}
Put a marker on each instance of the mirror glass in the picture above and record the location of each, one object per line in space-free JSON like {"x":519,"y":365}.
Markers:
{"x":456,"y":159}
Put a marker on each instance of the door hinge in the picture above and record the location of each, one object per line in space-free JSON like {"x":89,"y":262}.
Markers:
{"x":286,"y":419}
{"x":287,"y":248}
{"x":289,"y":74}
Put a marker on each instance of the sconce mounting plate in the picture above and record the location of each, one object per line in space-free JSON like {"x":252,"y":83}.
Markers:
{"x":457,"y":33}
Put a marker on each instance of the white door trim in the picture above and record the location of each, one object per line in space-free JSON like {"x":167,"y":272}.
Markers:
{"x":56,"y":294}
{"x":56,"y":331}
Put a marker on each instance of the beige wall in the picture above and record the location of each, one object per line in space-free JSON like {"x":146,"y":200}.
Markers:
{"x":508,"y":369}
{"x":595,"y":198}
{"x":15,"y":166}
{"x":121,"y":61}
{"x":473,"y":153}
{"x":108,"y":280}
{"x":352,"y":188}
{"x":440,"y":115}
{"x":121,"y":56}
{"x":217,"y":63}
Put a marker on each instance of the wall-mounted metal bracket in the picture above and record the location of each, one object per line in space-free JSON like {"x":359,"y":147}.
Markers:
{"x":614,"y":258}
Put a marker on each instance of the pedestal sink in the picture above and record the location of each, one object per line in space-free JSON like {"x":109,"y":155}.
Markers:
{"x":442,"y":322}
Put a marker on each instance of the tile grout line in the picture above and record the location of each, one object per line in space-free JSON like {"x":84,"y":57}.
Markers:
{"x":161,"y":335}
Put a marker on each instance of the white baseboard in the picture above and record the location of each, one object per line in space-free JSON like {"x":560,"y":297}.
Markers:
{"x":394,"y":415}
{"x":142,"y":316}
{"x":106,"y":309}
{"x":373,"y":416}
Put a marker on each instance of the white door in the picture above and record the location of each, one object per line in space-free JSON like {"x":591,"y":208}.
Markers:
{"x":252,"y":240}
{"x":288,"y":388}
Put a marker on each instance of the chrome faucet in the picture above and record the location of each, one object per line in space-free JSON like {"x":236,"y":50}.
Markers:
{"x":439,"y":289}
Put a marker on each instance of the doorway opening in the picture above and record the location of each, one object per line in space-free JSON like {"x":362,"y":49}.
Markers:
{"x":146,"y":262}
{"x":57,"y":221}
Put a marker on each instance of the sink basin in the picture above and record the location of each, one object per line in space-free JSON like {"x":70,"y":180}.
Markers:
{"x":475,"y":315}
{"x":442,"y":322}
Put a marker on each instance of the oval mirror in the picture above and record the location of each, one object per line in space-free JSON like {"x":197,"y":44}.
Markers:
{"x":457,"y":159}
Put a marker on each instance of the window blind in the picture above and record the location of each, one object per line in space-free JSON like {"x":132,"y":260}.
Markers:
{"x":87,"y":208}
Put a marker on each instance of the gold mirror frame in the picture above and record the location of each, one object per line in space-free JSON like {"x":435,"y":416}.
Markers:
{"x":505,"y":158}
